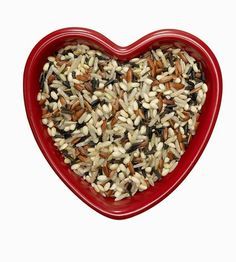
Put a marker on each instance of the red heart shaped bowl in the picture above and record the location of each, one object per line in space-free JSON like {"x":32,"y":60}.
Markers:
{"x":144,"y":200}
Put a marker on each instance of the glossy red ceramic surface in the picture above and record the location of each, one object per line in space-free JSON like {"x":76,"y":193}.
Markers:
{"x":145,"y":200}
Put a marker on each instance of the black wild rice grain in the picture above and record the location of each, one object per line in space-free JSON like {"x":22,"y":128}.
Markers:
{"x":192,"y":75}
{"x":86,"y":60}
{"x":150,"y":152}
{"x":66,"y":83}
{"x":78,"y":125}
{"x":157,"y":174}
{"x":193,"y":97}
{"x":74,"y":161}
{"x":65,"y":52}
{"x":50,"y":99}
{"x":92,"y":144}
{"x":149,"y":132}
{"x":103,"y":102}
{"x":170,"y":58}
{"x":133,"y":148}
{"x":100,"y":57}
{"x":42,"y":79}
{"x":73,"y":74}
{"x":95,"y":103}
{"x":65,"y":153}
{"x":169,"y":108}
{"x":95,"y":83}
{"x":119,"y":75}
{"x":83,"y":138}
{"x":58,"y":136}
{"x":189,"y":70}
{"x":68,"y":92}
{"x":159,"y":131}
{"x":49,"y":109}
{"x":143,"y":173}
{"x":165,"y":146}
{"x":189,"y":87}
{"x":66,"y":134}
{"x":190,"y":83}
{"x":145,"y":112}
{"x":199,"y":65}
{"x":186,"y":128}
{"x":128,"y":188}
{"x":66,"y":111}
{"x":111,"y":81}
{"x":132,"y":64}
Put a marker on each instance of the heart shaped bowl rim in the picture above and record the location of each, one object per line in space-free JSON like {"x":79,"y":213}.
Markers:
{"x":142,"y":201}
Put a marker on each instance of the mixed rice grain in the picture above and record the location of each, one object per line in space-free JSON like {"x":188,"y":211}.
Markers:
{"x":121,"y":126}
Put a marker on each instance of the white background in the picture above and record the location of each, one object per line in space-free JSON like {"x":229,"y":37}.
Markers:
{"x":41,"y":220}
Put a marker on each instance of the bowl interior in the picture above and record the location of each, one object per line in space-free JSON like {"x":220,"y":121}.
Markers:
{"x":143,"y":200}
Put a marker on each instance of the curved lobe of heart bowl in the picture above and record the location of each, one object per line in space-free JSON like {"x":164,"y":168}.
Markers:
{"x":144,"y":200}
